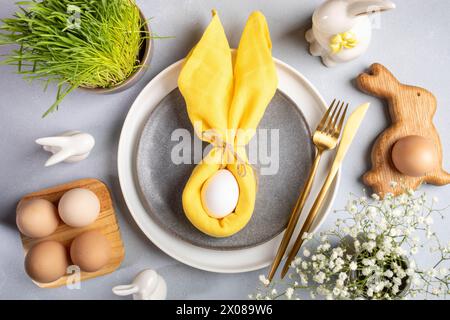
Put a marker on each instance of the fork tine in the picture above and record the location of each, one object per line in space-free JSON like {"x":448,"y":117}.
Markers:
{"x":321,"y":124}
{"x":341,"y":121}
{"x":331,"y":123}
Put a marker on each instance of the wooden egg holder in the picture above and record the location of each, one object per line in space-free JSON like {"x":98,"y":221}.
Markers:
{"x":106,"y":223}
{"x":411,"y":109}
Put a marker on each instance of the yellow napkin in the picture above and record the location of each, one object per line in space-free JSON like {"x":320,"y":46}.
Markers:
{"x":228,"y":96}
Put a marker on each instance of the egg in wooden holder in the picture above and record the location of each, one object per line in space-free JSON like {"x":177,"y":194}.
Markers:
{"x":226,"y":96}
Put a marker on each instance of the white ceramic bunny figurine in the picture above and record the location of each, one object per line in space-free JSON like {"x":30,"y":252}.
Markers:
{"x":341,"y":29}
{"x":148,"y":285}
{"x":71,"y":146}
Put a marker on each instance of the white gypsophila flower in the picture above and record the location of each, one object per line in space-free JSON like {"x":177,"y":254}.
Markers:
{"x":429,"y":220}
{"x":336,"y":291}
{"x":319,"y":278}
{"x":400,"y":251}
{"x":394,"y":232}
{"x":414,"y":250}
{"x":388,"y":273}
{"x":321,"y":257}
{"x":343,"y":276}
{"x":304,"y":279}
{"x":366,"y":271}
{"x":351,"y":207}
{"x":340,"y":283}
{"x":395,"y":289}
{"x":417,"y":282}
{"x":264,"y":280}
{"x":304,"y":265}
{"x":369,"y":246}
{"x":380,"y":255}
{"x":420,"y":220}
{"x":372,"y":212}
{"x":297,"y":261}
{"x":306,"y":253}
{"x":353,"y":265}
{"x":353,"y":232}
{"x":432,"y":272}
{"x":397,"y":212}
{"x":274,"y":292}
{"x":443,"y":271}
{"x":401,"y":273}
{"x":372,"y":236}
{"x":375,"y":196}
{"x":379,"y":286}
{"x":370,"y":292}
{"x":289,"y":293}
{"x":409,"y":271}
{"x":368,"y":262}
{"x":436,"y":291}
{"x":397,"y":281}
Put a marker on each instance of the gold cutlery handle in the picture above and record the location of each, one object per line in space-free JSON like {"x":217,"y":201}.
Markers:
{"x":310,"y":218}
{"x":295,"y":215}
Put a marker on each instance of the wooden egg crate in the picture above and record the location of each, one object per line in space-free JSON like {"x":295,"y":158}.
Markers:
{"x":106,"y":223}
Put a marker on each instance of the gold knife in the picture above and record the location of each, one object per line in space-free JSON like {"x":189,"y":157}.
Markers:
{"x":350,"y":129}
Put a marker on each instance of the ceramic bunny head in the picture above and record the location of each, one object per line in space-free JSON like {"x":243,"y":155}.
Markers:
{"x":147,"y":285}
{"x":341,"y":29}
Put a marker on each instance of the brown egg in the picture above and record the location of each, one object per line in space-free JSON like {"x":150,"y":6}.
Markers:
{"x":414,"y":156}
{"x":47,"y":261}
{"x":36,"y":218}
{"x":91,"y":251}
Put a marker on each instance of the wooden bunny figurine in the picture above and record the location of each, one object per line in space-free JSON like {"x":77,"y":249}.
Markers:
{"x":341,"y":29}
{"x":411,"y":109}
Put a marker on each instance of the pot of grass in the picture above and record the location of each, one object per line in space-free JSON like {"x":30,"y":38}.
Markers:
{"x":103,"y":46}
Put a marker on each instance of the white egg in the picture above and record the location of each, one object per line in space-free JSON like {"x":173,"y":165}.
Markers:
{"x":79,"y":207}
{"x":220,"y":194}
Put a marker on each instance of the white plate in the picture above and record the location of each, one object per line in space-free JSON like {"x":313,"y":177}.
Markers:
{"x":295,"y":86}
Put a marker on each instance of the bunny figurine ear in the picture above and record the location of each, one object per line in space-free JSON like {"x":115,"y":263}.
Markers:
{"x":206,"y":80}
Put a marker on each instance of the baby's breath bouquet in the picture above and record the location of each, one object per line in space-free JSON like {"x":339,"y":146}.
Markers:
{"x":370,"y":253}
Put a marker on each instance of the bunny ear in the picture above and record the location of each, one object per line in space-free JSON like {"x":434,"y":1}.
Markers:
{"x":255,"y":77}
{"x":206,"y":80}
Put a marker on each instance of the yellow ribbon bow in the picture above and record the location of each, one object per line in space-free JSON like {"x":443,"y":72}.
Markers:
{"x":227,"y":93}
{"x":343,"y":40}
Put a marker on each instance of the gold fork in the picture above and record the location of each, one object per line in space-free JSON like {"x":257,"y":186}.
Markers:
{"x":324,"y":138}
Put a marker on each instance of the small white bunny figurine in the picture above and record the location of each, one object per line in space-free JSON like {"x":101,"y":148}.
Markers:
{"x":71,"y":146}
{"x":341,"y":29}
{"x":148,"y":285}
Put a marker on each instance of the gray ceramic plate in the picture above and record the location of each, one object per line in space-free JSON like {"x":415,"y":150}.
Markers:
{"x":162,"y":182}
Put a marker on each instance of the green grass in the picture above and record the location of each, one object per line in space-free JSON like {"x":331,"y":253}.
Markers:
{"x":102,"y":51}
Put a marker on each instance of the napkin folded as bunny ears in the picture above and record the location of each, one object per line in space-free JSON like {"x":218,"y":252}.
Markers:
{"x":226,"y":95}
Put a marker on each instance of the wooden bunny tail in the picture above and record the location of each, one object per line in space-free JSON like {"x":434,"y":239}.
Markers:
{"x":439,"y":179}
